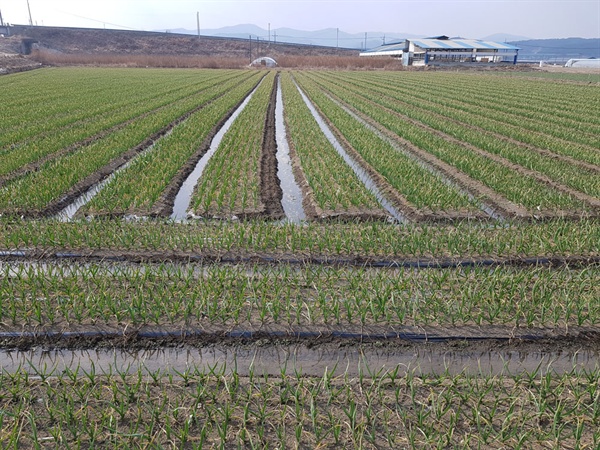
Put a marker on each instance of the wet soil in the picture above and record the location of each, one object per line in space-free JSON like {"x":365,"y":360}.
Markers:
{"x":427,"y":349}
{"x":314,"y":360}
{"x":224,"y":257}
{"x":271,"y":193}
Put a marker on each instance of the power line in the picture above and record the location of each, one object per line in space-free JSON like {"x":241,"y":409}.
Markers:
{"x":97,"y":21}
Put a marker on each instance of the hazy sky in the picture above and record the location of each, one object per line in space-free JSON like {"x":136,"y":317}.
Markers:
{"x":467,"y":18}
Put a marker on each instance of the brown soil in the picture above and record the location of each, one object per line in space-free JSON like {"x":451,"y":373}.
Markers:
{"x":238,"y":257}
{"x":467,"y":339}
{"x":106,"y":42}
{"x":270,"y":188}
{"x":11,"y":63}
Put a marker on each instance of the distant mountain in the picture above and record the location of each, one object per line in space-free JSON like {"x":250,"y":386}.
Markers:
{"x":558,"y":49}
{"x":329,"y":37}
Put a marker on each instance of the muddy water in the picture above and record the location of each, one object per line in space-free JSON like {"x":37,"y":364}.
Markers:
{"x":184,"y":196}
{"x":485,"y":208}
{"x":292,"y":194}
{"x":351,"y":361}
{"x":362,"y":174}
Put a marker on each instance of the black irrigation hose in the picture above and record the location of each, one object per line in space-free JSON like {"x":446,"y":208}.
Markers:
{"x":425,"y":263}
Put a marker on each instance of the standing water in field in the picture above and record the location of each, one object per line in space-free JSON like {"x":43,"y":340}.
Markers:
{"x":68,"y":213}
{"x":309,"y":361}
{"x":361,"y":173}
{"x":184,"y":196}
{"x":292,"y":194}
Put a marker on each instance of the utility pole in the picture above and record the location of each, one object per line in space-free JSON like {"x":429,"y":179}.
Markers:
{"x":384,"y":39}
{"x":337,"y":38}
{"x":198,"y":22}
{"x":1,"y":21}
{"x":29,"y":9}
{"x":365,"y":41}
{"x":275,"y":37}
{"x":269,"y":32}
{"x":250,"y":42}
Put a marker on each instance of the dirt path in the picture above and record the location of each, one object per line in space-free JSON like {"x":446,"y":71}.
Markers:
{"x":270,"y":188}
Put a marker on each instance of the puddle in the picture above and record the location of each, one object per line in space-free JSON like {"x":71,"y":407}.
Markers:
{"x":292,"y":194}
{"x":485,"y":208}
{"x":184,"y":196}
{"x":352,"y":361}
{"x":68,"y":213}
{"x":362,"y":174}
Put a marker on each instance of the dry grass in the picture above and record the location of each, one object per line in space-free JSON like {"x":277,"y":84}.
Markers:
{"x":214,"y":62}
{"x":176,"y":61}
{"x":339,"y":62}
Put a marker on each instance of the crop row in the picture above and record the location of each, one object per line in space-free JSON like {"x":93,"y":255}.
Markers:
{"x":586,"y":181}
{"x":420,"y":187}
{"x":189,"y":295}
{"x":80,"y":94}
{"x":230,"y":183}
{"x":556,"y":102}
{"x":477,"y":117}
{"x":214,"y":408}
{"x":556,"y":238}
{"x":137,"y":188}
{"x":334,"y":187}
{"x":110,"y":119}
{"x":36,"y":190}
{"x":462,"y":100}
{"x":515,"y":187}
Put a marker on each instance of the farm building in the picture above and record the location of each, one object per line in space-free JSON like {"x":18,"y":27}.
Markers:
{"x":443,"y":50}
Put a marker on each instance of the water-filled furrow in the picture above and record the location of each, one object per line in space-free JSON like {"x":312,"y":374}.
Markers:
{"x":296,"y":359}
{"x":68,"y":213}
{"x":184,"y":196}
{"x":292,"y":194}
{"x":360,"y":172}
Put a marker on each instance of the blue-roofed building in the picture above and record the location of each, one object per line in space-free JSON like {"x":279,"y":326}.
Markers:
{"x":443,"y":50}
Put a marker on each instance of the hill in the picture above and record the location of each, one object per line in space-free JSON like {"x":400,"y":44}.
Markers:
{"x":124,"y":42}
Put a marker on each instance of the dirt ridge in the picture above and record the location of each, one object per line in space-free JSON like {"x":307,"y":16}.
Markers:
{"x":466,"y":338}
{"x":266,"y":259}
{"x":271,"y":193}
